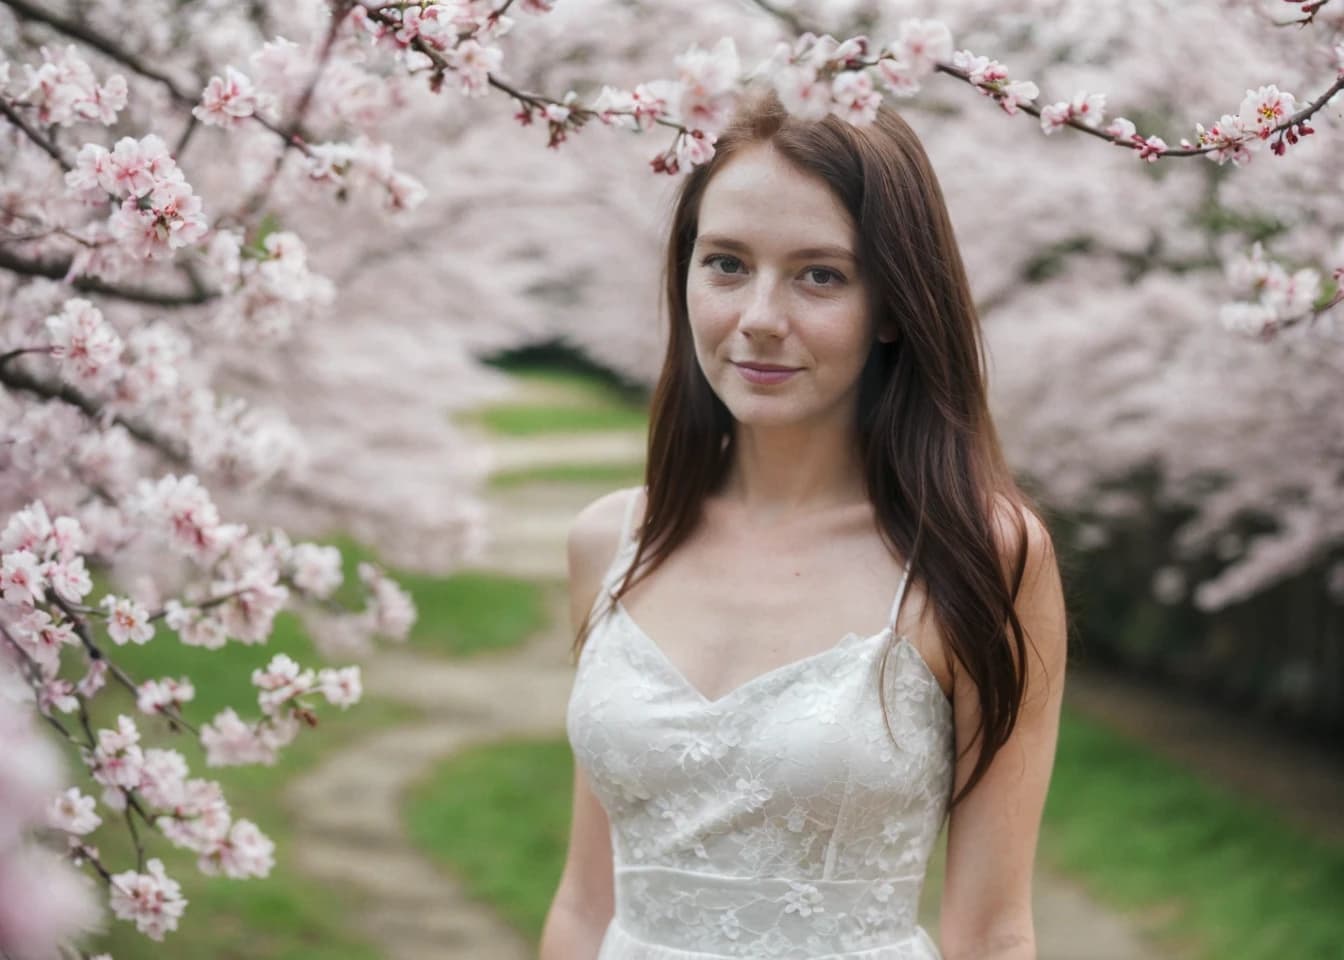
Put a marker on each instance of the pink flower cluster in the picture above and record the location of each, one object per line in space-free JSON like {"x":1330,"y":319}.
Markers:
{"x":1280,"y":295}
{"x":991,"y":78}
{"x":64,"y":90}
{"x":227,"y":101}
{"x":1261,"y":114}
{"x":158,"y":212}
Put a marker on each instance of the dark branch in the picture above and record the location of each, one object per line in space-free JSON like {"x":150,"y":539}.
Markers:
{"x":96,"y":40}
{"x":32,"y":133}
{"x":57,"y":270}
{"x":16,"y":379}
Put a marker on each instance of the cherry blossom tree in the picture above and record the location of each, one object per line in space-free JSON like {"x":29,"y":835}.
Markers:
{"x":195,"y":328}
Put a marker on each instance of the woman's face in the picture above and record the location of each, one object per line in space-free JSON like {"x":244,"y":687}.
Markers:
{"x":774,"y":281}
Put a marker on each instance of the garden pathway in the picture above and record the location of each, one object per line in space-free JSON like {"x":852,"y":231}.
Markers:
{"x":349,"y":831}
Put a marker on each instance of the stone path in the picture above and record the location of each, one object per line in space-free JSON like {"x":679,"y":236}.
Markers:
{"x":348,"y":829}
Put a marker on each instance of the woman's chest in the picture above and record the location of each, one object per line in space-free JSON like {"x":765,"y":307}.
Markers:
{"x":723,"y":618}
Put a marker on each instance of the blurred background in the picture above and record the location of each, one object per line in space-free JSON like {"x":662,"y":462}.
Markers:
{"x":483,"y":373}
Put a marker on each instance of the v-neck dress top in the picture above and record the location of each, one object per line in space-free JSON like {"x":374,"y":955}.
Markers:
{"x":777,"y":820}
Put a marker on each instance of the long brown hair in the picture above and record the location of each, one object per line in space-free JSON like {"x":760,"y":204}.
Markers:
{"x":934,"y":468}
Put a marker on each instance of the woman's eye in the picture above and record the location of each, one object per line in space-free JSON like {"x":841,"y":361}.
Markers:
{"x":719,"y":259}
{"x":823,"y":277}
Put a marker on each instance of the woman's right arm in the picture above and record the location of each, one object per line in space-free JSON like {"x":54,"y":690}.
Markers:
{"x":583,"y":902}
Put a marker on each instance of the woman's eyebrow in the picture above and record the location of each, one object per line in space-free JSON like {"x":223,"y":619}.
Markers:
{"x":728,"y":243}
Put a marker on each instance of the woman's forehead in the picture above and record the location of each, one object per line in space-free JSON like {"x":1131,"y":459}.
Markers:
{"x":758,"y":197}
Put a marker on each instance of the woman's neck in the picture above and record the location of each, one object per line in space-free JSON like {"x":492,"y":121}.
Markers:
{"x":781,"y":471}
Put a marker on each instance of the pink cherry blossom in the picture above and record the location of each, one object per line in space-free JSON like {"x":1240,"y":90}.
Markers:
{"x":64,"y":90}
{"x":921,"y":45}
{"x":42,"y":639}
{"x":1151,"y":148}
{"x":897,"y":77}
{"x":87,"y":346}
{"x":228,"y":100}
{"x":194,"y":628}
{"x":127,"y":621}
{"x":245,"y":852}
{"x":117,"y":760}
{"x":153,"y":900}
{"x":27,"y":529}
{"x":1121,"y":129}
{"x":153,"y":696}
{"x":1083,"y":108}
{"x":163,"y":777}
{"x":68,"y":578}
{"x":341,"y":687}
{"x":57,"y":694}
{"x":94,"y":679}
{"x":228,"y":741}
{"x":1228,"y":139}
{"x":802,"y":92}
{"x":854,"y":97}
{"x":21,"y":579}
{"x":391,"y":609}
{"x":708,"y":81}
{"x":1264,"y":109}
{"x":282,"y":680}
{"x":474,"y":63}
{"x":73,"y":812}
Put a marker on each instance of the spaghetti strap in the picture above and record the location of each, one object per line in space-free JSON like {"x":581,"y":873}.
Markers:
{"x":900,"y":595}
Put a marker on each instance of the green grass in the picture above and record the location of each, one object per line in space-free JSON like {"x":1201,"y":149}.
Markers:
{"x":498,"y":815}
{"x":1215,"y":873}
{"x":523,"y":420}
{"x":567,"y":403}
{"x":1197,"y":866}
{"x":461,"y":614}
{"x":595,"y":474}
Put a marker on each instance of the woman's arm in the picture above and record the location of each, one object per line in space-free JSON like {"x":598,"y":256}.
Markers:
{"x":583,"y":904}
{"x":992,"y":833}
{"x":584,"y":899}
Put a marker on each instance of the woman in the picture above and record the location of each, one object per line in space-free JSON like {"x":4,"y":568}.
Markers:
{"x":745,"y":785}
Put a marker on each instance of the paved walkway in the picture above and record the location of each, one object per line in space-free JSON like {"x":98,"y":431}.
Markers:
{"x":348,"y":811}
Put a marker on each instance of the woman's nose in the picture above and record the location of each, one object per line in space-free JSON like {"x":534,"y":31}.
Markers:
{"x":766,"y":310}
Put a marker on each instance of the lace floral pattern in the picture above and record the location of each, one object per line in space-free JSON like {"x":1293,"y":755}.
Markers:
{"x":779,"y":820}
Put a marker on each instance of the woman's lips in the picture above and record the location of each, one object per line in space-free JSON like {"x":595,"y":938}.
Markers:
{"x":765,"y":375}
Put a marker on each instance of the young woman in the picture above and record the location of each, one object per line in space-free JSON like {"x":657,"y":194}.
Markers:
{"x":829,"y":619}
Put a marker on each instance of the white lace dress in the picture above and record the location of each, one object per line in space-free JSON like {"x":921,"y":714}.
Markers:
{"x":777,"y":820}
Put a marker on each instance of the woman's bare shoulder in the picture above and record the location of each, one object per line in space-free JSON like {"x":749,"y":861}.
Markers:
{"x":594,"y":535}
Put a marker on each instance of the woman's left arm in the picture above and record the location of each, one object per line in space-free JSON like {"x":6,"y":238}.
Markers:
{"x":992,"y":833}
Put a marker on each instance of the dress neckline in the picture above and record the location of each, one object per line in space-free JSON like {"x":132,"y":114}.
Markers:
{"x":774,"y":674}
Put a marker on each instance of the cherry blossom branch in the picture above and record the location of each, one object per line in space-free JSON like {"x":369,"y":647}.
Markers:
{"x":290,"y":135}
{"x":91,"y":647}
{"x":93,"y":38}
{"x":14,"y":117}
{"x":16,"y":379}
{"x":59,"y":269}
{"x":114,"y":52}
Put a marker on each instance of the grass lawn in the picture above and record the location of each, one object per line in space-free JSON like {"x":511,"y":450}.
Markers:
{"x":1210,"y":868}
{"x":1227,"y":881}
{"x":458,"y":615}
{"x":565,"y":402}
{"x":592,"y":474}
{"x":498,"y":814}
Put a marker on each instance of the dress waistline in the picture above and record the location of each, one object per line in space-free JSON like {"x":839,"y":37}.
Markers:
{"x":686,"y":914}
